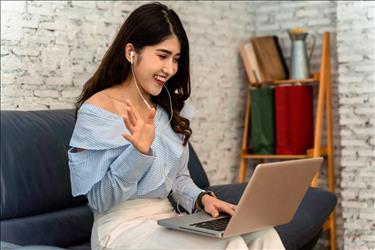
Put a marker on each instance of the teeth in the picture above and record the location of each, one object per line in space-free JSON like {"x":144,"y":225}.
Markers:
{"x":159,"y":78}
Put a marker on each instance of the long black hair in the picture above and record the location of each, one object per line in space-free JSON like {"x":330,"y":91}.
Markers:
{"x":147,"y":25}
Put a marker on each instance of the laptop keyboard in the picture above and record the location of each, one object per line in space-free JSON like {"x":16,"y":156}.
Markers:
{"x":216,"y":225}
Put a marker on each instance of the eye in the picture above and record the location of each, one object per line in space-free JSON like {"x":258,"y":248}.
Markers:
{"x":176,"y":60}
{"x":162,"y":56}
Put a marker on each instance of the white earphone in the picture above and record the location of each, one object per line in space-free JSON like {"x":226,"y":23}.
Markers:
{"x":135,"y":80}
{"x":131,"y":57}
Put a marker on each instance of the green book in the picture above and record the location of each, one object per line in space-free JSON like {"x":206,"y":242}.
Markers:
{"x":262,"y":121}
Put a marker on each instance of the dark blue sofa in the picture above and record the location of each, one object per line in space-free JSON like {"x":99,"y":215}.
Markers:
{"x":38,"y":210}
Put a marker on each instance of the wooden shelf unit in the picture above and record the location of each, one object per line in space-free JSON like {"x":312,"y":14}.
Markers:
{"x":323,"y":80}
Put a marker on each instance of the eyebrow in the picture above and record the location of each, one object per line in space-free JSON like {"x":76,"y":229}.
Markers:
{"x":166,"y":51}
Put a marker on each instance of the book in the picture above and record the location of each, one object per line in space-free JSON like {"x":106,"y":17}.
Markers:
{"x":250,"y":62}
{"x":269,"y":57}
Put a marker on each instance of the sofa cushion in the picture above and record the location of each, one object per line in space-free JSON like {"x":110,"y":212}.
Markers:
{"x":34,"y":171}
{"x":37,"y":207}
{"x":64,"y":228}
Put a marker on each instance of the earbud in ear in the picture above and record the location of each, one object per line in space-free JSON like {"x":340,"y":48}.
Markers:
{"x":132,"y":57}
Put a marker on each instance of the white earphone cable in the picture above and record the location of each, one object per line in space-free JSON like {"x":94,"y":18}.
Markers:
{"x":136,"y":85}
{"x":171,"y":183}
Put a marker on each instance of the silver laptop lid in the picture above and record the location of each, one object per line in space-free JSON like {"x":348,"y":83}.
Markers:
{"x":272,"y":195}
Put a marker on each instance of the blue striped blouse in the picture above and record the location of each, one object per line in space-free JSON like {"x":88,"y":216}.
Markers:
{"x":110,"y":170}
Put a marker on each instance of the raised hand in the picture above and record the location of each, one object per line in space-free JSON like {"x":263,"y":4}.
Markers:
{"x":142,"y":133}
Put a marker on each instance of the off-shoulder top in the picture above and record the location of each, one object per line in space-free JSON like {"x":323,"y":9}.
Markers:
{"x":110,"y":170}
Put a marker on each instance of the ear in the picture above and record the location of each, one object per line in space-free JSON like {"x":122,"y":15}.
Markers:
{"x":128,"y":47}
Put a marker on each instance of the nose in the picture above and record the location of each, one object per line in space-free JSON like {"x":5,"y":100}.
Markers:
{"x":169,"y":67}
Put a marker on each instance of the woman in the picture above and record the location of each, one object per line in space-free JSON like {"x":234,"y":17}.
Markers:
{"x":129,"y":146}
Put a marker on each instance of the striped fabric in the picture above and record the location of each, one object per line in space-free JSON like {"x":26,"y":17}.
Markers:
{"x":110,"y":170}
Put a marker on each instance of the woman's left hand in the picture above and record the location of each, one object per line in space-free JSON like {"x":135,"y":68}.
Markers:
{"x":214,"y":206}
{"x":142,"y":132}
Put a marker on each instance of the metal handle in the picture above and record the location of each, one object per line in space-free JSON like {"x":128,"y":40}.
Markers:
{"x":312,"y":48}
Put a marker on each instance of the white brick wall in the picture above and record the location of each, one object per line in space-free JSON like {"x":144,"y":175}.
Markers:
{"x":356,"y":90}
{"x":49,"y":49}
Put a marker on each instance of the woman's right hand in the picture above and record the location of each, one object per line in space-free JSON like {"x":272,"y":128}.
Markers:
{"x":214,"y":206}
{"x":142,"y":133}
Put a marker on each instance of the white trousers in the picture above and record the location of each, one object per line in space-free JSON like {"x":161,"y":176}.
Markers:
{"x":133,"y":225}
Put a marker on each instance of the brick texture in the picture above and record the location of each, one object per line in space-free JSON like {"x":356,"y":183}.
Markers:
{"x":356,"y":95}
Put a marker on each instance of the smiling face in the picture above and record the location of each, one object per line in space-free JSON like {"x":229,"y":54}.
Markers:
{"x":154,"y":65}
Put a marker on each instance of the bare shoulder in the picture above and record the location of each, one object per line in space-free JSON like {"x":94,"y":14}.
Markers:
{"x":98,"y":99}
{"x":102,"y":99}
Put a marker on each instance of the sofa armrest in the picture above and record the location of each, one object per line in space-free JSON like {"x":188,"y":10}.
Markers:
{"x":309,"y":219}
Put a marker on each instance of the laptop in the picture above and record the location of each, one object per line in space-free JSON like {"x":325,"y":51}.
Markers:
{"x":271,"y":198}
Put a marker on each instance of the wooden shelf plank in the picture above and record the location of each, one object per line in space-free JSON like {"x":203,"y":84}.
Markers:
{"x":309,"y":153}
{"x":289,"y":81}
{"x":307,"y":80}
{"x":255,"y":156}
{"x":323,"y":151}
{"x":313,"y":79}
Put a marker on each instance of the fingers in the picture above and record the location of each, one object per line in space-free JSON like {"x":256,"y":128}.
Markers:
{"x":128,"y":137}
{"x":227,"y":208}
{"x":211,"y":207}
{"x":131,"y":116}
{"x":128,"y":124}
{"x":151,"y":116}
{"x":218,"y":206}
{"x":133,"y":110}
{"x":213,"y":211}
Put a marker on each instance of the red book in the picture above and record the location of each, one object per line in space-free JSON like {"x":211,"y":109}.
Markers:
{"x":294,"y":119}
